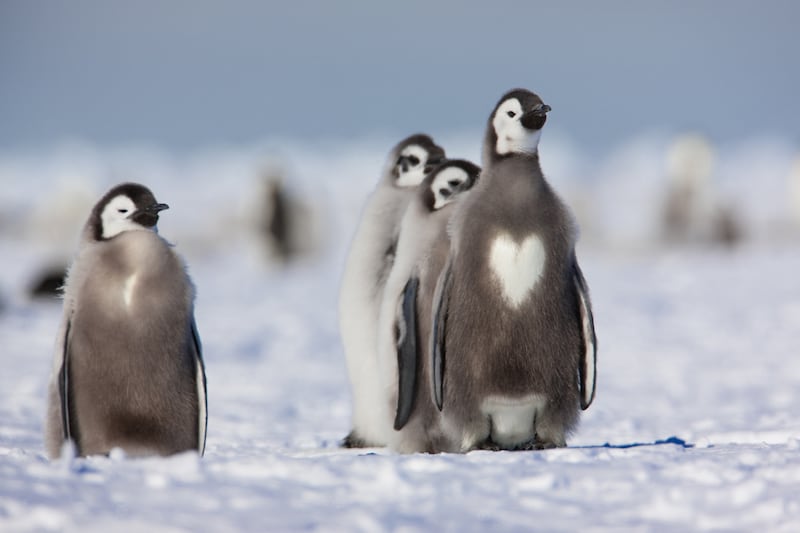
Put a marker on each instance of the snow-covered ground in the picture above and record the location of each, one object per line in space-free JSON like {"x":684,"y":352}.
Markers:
{"x":695,"y":426}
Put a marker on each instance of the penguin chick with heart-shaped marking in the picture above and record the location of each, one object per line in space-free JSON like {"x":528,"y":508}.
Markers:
{"x":515,"y":349}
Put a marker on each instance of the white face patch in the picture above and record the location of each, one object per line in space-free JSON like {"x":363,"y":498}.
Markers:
{"x":115,"y":217}
{"x":516,"y":266}
{"x":446,"y":186}
{"x":512,"y":136}
{"x":417,"y":158}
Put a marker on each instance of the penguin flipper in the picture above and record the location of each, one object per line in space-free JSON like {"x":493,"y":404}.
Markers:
{"x":64,"y":385}
{"x":441,"y":298}
{"x":202,"y":399}
{"x":407,"y":355}
{"x":587,"y":366}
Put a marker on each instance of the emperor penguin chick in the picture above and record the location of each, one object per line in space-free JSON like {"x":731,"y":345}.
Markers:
{"x":128,"y":369}
{"x":406,"y":320}
{"x":368,"y":264}
{"x":515,"y":348}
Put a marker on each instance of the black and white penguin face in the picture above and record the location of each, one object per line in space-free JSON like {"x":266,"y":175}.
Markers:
{"x":410,"y":166}
{"x":517,"y":122}
{"x":448,"y":181}
{"x":416,"y":156}
{"x":126,"y":207}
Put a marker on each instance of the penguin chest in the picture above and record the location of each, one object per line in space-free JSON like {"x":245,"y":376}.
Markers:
{"x":516,"y":266}
{"x":131,"y":293}
{"x":129,"y":290}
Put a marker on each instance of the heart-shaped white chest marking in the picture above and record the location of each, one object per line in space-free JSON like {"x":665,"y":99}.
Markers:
{"x":517,"y":266}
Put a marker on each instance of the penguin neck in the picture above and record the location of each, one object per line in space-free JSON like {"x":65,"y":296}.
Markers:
{"x":491,"y":157}
{"x":515,"y":164}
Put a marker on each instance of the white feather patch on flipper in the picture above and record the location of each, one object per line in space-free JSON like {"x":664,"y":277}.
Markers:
{"x":517,"y":266}
{"x":201,"y":414}
{"x":589,"y":359}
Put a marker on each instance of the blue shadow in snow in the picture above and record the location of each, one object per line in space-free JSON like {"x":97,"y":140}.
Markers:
{"x":669,"y":440}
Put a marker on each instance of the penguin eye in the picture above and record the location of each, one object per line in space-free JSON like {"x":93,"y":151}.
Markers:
{"x":445,"y":192}
{"x":414,"y":160}
{"x":122,"y":211}
{"x":511,"y":114}
{"x":454,"y":183}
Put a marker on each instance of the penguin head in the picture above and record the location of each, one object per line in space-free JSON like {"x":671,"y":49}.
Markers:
{"x":447,"y":181}
{"x":412,"y":159}
{"x":516,"y":124}
{"x":126,"y":207}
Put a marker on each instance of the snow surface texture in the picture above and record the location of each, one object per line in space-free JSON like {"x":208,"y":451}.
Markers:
{"x":695,"y":425}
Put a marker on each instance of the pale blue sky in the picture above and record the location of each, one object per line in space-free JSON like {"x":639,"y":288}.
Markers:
{"x":190,"y":74}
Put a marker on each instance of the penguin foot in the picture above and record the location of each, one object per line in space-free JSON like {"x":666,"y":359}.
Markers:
{"x":534,"y":444}
{"x":489,"y":445}
{"x":352,"y":440}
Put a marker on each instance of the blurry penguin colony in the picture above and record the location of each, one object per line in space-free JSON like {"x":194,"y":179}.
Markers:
{"x":668,"y":194}
{"x":679,"y":193}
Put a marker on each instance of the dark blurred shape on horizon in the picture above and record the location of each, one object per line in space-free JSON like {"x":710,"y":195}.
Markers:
{"x":287,"y":226}
{"x":693,"y":211}
{"x":48,"y":283}
{"x":191,"y":74}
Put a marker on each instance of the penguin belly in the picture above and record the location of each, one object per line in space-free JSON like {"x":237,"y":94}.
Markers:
{"x":512,"y":420}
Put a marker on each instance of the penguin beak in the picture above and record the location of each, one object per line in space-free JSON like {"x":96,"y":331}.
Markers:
{"x":536,"y":117}
{"x":148,"y":216}
{"x":402,"y":163}
{"x":538,"y":111}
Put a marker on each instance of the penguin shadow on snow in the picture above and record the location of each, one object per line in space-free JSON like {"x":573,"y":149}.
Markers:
{"x":669,"y":441}
{"x":673,"y":440}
